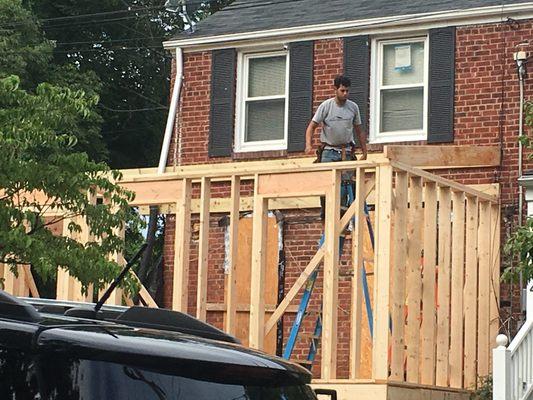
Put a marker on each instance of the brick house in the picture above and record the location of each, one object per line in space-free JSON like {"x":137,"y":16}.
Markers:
{"x":434,"y":73}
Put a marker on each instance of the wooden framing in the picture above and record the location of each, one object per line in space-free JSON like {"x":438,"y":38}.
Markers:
{"x":231,"y":287}
{"x":456,"y":306}
{"x":470,"y":293}
{"x":425,"y":281}
{"x":484,"y":279}
{"x":182,"y":247}
{"x":444,"y":276}
{"x":357,"y":280}
{"x":203,"y":250}
{"x":427,"y":368}
{"x":331,"y":278}
{"x":382,"y":261}
{"x":257,"y":302}
{"x":414,"y":278}
{"x":399,"y":248}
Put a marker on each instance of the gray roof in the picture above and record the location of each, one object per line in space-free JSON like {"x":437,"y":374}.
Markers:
{"x":258,"y":15}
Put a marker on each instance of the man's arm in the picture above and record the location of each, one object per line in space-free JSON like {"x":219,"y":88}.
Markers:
{"x":361,"y":136}
{"x":309,"y":135}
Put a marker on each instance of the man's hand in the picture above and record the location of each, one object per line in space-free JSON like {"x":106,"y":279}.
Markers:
{"x":362,"y":140}
{"x":309,"y":136}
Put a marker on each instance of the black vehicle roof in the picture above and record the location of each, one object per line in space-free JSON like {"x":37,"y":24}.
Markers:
{"x":161,"y":350}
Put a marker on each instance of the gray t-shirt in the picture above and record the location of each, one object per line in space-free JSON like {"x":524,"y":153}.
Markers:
{"x":338,"y":121}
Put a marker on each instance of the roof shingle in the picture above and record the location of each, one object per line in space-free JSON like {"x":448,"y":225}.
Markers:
{"x":258,"y":15}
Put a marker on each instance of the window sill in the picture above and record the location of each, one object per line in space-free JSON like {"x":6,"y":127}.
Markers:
{"x":254,"y":155}
{"x":397,"y":139}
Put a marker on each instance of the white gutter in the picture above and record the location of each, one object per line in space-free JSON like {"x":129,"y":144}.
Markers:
{"x":172,"y":111}
{"x":473,"y":15}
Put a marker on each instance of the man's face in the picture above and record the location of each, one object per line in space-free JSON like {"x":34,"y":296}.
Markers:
{"x":342,"y":93}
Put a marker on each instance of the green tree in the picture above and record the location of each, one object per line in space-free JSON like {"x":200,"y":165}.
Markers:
{"x":27,"y":53}
{"x":519,"y":246}
{"x":42,"y":172}
{"x":121,"y":41}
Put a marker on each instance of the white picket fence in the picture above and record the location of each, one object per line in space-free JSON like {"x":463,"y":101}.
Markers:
{"x":512,"y":370}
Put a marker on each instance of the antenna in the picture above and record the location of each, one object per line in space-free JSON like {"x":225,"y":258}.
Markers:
{"x":119,"y":278}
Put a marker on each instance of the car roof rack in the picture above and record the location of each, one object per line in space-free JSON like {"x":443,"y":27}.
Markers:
{"x":141,"y":317}
{"x":159,"y":318}
{"x":13,"y":308}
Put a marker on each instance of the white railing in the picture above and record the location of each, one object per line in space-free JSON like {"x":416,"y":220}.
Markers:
{"x":513,"y":365}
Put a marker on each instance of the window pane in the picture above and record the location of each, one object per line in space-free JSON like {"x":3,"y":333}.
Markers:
{"x":266,"y":76}
{"x":403,"y":63}
{"x":265,"y":120}
{"x":402,"y":109}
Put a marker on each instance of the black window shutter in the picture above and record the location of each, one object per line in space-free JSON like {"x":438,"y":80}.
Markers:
{"x":221,"y":118}
{"x":441,"y":84}
{"x":300,"y":93}
{"x":357,"y":68}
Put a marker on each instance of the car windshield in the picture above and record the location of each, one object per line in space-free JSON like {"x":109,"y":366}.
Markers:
{"x":87,"y":379}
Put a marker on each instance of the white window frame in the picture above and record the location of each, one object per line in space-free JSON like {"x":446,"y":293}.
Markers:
{"x":376,"y":74}
{"x":243,"y":60}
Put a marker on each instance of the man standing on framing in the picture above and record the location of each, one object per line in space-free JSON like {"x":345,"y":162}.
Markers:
{"x":339,"y":118}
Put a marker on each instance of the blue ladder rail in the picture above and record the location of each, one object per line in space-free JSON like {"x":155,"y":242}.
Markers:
{"x":346,"y":190}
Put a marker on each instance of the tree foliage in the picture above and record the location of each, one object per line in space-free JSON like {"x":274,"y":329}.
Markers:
{"x":122,"y":44}
{"x":41,"y":173}
{"x":27,"y":53}
{"x":519,"y":247}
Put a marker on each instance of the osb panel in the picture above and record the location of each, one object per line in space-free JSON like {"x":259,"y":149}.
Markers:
{"x":244,"y":257}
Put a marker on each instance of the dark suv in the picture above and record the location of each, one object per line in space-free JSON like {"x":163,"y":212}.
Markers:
{"x":56,"y":350}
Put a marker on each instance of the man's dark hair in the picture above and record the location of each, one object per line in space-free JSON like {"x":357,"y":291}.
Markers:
{"x":341,"y":80}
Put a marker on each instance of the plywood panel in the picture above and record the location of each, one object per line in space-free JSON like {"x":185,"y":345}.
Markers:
{"x":243,"y":275}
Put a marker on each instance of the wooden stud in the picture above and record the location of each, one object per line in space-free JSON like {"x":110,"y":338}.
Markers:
{"x":444,"y":276}
{"x":382,"y":262}
{"x":203,"y":250}
{"x":495,"y":274}
{"x":414,"y":278}
{"x":331,"y":276}
{"x":258,"y":270}
{"x":231,"y":314}
{"x":144,"y":294}
{"x":10,"y":285}
{"x":470,"y":293}
{"x":30,"y":282}
{"x":456,"y":307}
{"x":484,"y":278}
{"x":182,"y":248}
{"x":398,"y":272}
{"x":427,"y":368}
{"x":357,"y":278}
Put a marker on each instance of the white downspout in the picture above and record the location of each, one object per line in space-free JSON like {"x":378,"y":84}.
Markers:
{"x":172,"y":111}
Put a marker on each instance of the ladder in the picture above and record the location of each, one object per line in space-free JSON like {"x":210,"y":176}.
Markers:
{"x":348,"y":195}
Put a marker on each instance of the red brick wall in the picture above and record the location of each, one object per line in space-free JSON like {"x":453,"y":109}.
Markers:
{"x":486,"y":113}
